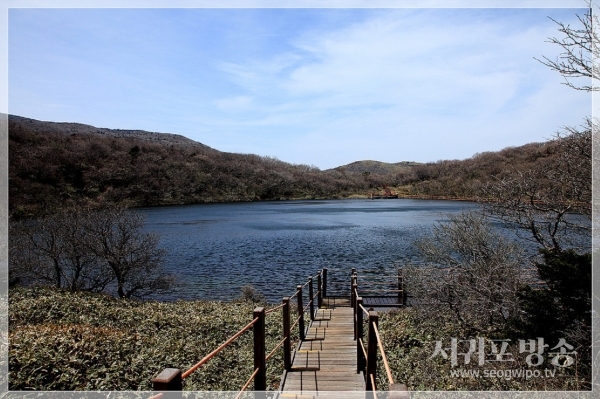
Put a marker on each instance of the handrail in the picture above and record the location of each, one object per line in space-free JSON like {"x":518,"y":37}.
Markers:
{"x":375,"y":283}
{"x":364,"y":310}
{"x":295,"y":323}
{"x":367,"y":352}
{"x":307,"y":306}
{"x":171,"y":379}
{"x":381,"y":277}
{"x":381,"y":285}
{"x":274,"y":309}
{"x":373,"y":382}
{"x":276,"y":347}
{"x":383,"y":356}
{"x":220,"y":348}
{"x":247,"y":383}
{"x":362,"y":345}
{"x":382,"y":290}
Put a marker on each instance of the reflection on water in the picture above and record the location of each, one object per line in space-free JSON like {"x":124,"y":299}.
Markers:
{"x":215,"y":249}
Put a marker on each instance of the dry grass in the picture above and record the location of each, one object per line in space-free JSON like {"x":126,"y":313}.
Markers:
{"x":61,"y":341}
{"x":77,"y":341}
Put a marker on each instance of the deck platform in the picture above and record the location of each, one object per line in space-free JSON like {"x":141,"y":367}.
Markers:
{"x":381,"y":302}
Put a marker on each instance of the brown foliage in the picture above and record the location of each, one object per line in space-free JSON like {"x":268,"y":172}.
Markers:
{"x":56,"y":164}
{"x":52,"y":165}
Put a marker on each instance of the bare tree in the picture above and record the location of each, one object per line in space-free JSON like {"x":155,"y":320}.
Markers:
{"x":91,"y":250}
{"x":543,"y":200}
{"x":472,"y":273}
{"x":35,"y":253}
{"x":580,"y":46}
{"x":132,"y":254}
{"x":55,"y":250}
{"x":82,"y":270}
{"x":552,"y":201}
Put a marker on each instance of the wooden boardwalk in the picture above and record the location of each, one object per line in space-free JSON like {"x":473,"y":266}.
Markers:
{"x":326,"y":359}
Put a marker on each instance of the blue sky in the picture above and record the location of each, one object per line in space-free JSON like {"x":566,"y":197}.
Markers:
{"x":315,"y":86}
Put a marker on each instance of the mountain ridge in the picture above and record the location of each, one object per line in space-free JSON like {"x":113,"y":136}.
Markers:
{"x":50,"y":127}
{"x":54,"y":164}
{"x":81,"y":128}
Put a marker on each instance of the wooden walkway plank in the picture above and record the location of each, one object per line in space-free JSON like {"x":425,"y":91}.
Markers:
{"x":326,"y":359}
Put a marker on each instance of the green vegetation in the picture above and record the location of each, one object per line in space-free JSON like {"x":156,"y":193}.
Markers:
{"x":410,"y":343}
{"x":565,"y":303}
{"x":61,"y":340}
{"x":476,"y":284}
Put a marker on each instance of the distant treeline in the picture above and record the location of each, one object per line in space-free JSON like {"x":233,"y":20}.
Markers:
{"x":53,"y":164}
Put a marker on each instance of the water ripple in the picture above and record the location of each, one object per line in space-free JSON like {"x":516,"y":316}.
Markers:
{"x":218,"y":248}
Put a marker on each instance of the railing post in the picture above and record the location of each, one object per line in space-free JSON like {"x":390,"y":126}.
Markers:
{"x":353,"y":299}
{"x":320,"y":287}
{"x":324,"y":282}
{"x":168,"y":380}
{"x":360,"y":357}
{"x":353,"y":277}
{"x":353,"y":281}
{"x":310,"y":296}
{"x":400,"y":291}
{"x":300,"y":312}
{"x":260,"y":381}
{"x":372,"y":350}
{"x":287,"y":345}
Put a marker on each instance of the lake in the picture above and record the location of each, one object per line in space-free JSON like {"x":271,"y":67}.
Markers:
{"x":215,"y":249}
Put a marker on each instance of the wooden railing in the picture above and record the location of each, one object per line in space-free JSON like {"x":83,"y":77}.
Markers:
{"x":398,"y":291}
{"x":366,"y":361}
{"x":171,"y":379}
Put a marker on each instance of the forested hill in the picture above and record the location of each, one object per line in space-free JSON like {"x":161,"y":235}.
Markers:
{"x":53,"y":164}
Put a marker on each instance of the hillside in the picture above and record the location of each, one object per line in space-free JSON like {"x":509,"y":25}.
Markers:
{"x":52,"y":164}
{"x":455,"y":178}
{"x":18,"y":123}
{"x":376,"y":167}
{"x":466,"y":178}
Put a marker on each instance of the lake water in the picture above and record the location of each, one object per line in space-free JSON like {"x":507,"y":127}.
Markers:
{"x":215,"y":249}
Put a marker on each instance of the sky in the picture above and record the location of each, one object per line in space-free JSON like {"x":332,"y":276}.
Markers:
{"x":318,"y":86}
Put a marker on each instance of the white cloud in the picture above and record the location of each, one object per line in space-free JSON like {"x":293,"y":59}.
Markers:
{"x":335,"y":87}
{"x":408,"y":85}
